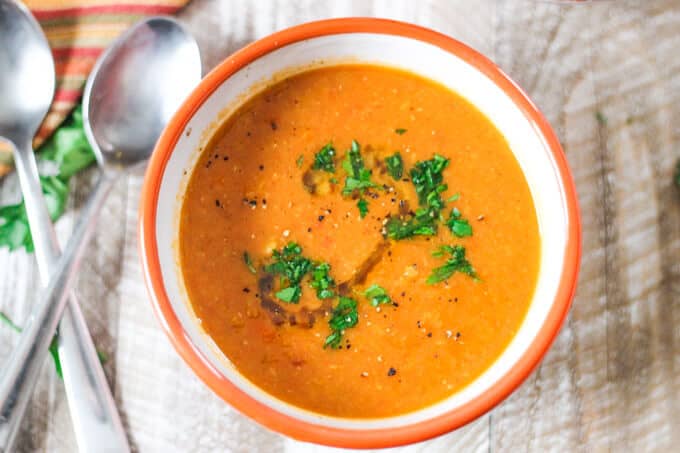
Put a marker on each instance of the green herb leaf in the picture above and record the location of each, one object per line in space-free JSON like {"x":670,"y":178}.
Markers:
{"x":427,"y":178}
{"x":249,"y":263}
{"x":352,"y":184}
{"x":459,"y":226}
{"x":377,"y":295}
{"x":14,"y":228}
{"x":344,"y":316}
{"x":322,"y":282}
{"x":400,"y":131}
{"x":422,"y":224}
{"x":68,"y":147}
{"x":54,"y":346}
{"x":14,"y":231}
{"x":291,"y":267}
{"x":363,"y":207}
{"x":456,"y":263}
{"x":4,"y":318}
{"x":359,"y":177}
{"x":54,"y":352}
{"x":395,"y":166}
{"x":601,"y":119}
{"x":452,"y":198}
{"x":69,"y":152}
{"x":290,"y":294}
{"x":300,"y":160}
{"x":324,"y":159}
{"x":103,"y":357}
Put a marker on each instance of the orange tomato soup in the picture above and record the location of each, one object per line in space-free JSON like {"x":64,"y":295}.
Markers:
{"x":359,"y":241}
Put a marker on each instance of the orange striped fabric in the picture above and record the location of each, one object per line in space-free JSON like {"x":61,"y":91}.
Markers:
{"x":78,"y":31}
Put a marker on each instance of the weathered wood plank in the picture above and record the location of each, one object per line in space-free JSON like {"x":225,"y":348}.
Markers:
{"x":612,"y":379}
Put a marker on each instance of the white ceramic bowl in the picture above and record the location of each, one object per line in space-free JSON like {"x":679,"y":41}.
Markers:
{"x":403,"y":46}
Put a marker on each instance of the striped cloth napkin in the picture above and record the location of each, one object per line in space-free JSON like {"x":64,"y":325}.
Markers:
{"x":78,"y":31}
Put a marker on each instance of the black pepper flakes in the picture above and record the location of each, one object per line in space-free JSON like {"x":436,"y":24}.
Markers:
{"x":309,"y":229}
{"x":246,"y":290}
{"x":429,"y":335}
{"x":225,"y":158}
{"x":261,"y":167}
{"x":391,"y":372}
{"x":274,"y":125}
{"x":217,"y":203}
{"x":321,"y":218}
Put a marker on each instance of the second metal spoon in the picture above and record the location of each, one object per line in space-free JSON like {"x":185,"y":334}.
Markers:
{"x":27,"y":61}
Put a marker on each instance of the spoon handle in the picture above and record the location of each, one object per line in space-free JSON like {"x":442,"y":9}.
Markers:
{"x":98,"y":426}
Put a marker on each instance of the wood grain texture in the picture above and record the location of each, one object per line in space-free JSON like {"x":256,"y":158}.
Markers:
{"x":611,"y":381}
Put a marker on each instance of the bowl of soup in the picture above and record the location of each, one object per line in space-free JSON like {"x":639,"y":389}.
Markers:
{"x":360,"y":233}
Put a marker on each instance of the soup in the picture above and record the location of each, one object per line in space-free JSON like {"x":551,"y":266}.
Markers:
{"x":359,"y":241}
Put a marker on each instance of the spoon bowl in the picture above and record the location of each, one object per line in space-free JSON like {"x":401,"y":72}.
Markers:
{"x":27,"y":77}
{"x":119,"y":123}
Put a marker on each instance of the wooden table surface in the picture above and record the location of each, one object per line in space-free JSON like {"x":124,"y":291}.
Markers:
{"x":607,"y":76}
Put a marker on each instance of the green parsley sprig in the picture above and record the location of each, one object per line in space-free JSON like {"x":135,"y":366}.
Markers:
{"x":324,"y":159}
{"x":395,"y":166}
{"x":458,"y":225}
{"x":427,"y":178}
{"x":322,"y":281}
{"x":457,"y":262}
{"x":377,"y":295}
{"x":344,"y":316}
{"x":66,"y":152}
{"x":291,"y":267}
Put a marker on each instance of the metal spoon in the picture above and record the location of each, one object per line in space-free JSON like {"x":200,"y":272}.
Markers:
{"x":26,"y":90}
{"x":134,"y":88}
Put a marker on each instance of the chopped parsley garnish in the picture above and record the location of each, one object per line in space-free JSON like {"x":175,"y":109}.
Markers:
{"x":422,"y":224}
{"x":400,"y":131}
{"x":299,"y":161}
{"x":291,"y":267}
{"x":324,"y":159}
{"x":343,"y":317}
{"x":453,"y":198}
{"x":358,"y":176}
{"x":249,"y":263}
{"x":458,"y":225}
{"x":363,"y":207}
{"x":395,"y":166}
{"x":456,"y":263}
{"x":290,"y":294}
{"x":676,"y":177}
{"x":322,"y":282}
{"x":601,"y":119}
{"x":377,"y":295}
{"x":427,"y":178}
